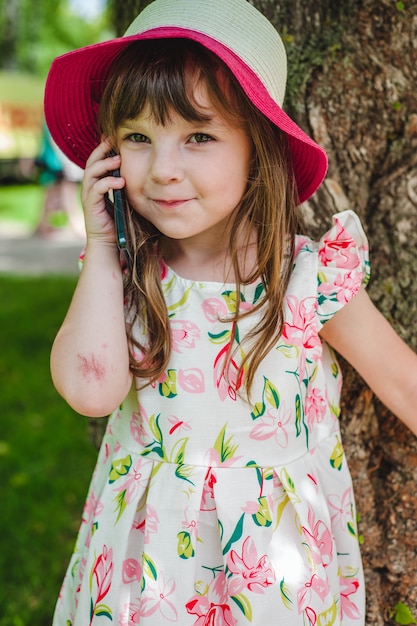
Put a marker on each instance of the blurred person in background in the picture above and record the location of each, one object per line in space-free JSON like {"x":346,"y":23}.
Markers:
{"x":61,"y":179}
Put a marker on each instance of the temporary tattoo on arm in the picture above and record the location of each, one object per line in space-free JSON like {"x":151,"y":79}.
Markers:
{"x":91,"y":367}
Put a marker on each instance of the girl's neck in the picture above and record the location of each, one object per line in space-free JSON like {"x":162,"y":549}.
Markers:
{"x":210,"y":263}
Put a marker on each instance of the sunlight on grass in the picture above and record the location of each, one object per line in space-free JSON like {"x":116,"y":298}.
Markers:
{"x":46,"y":458}
{"x":21,"y":204}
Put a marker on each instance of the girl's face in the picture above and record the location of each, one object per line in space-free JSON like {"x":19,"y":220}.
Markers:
{"x":185,"y":177}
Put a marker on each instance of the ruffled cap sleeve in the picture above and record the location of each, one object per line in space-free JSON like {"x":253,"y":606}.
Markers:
{"x":343,"y":265}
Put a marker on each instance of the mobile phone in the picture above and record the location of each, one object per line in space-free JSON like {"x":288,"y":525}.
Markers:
{"x":116,"y":206}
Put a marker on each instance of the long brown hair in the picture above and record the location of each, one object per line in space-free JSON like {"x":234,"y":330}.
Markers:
{"x":161,"y":75}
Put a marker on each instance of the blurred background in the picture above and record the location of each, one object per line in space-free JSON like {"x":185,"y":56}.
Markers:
{"x":46,"y":453}
{"x":31,"y":35}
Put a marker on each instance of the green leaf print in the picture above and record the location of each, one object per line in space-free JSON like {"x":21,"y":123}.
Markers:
{"x":285,"y":595}
{"x":223,"y":447}
{"x":337,"y":456}
{"x":298,"y":415}
{"x":334,"y":410}
{"x":289,"y":486}
{"x":219,"y":338}
{"x":168,"y":389}
{"x":149,"y":568}
{"x":119,"y":468}
{"x":352,"y":529}
{"x":230,"y":298}
{"x":258,"y":410}
{"x":271,"y":394}
{"x":329,"y":617}
{"x":184,"y":472}
{"x":155,"y":429}
{"x":244,"y":605}
{"x":179,"y":304}
{"x":102,"y":610}
{"x":258,"y":292}
{"x":120,"y":503}
{"x":185,"y":545}
{"x":178,"y":451}
{"x":280,"y":510}
{"x":299,"y":418}
{"x":263,"y":516}
{"x":290,"y":352}
{"x":236,"y":535}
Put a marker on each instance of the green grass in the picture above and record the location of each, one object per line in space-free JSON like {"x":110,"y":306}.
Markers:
{"x":46,"y":458}
{"x":21,"y":204}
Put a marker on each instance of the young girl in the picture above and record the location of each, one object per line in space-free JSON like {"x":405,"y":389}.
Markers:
{"x":221,"y":493}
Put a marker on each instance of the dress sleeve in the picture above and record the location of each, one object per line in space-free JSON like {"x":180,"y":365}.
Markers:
{"x":343,"y":265}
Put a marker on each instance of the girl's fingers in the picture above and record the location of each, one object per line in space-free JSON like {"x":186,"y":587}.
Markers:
{"x":99,"y":180}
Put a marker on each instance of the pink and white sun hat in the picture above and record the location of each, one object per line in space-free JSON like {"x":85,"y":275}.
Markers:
{"x":232,"y":29}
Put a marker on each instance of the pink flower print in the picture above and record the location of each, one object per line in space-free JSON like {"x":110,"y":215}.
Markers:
{"x":317,"y":585}
{"x":339,"y":249}
{"x":209,"y":614}
{"x":300,"y":330}
{"x":342,"y":507}
{"x":130,"y":616}
{"x":138,"y":424}
{"x":214,"y":309}
{"x":319,"y":539}
{"x":177,"y":424}
{"x":147,"y":522}
{"x":315,"y":408}
{"x":136,"y":481}
{"x":101,"y":578}
{"x":272,"y":424}
{"x":131,"y":571}
{"x":92,"y":508}
{"x":349,"y":586}
{"x":184,"y":334}
{"x":347,"y":287}
{"x":191,"y":380}
{"x":300,"y":242}
{"x":190,"y":521}
{"x":207,"y":497}
{"x":227,"y":382}
{"x":212,"y":613}
{"x":344,"y":287}
{"x":155,"y":598}
{"x":249,"y":571}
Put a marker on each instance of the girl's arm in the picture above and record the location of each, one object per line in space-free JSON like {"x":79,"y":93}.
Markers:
{"x":361,"y":334}
{"x":90,"y":358}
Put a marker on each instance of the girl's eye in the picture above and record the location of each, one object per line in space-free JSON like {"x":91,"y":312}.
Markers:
{"x":201,"y":138}
{"x":138,"y":138}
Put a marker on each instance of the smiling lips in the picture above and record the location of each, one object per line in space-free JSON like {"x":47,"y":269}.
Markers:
{"x":169,"y":204}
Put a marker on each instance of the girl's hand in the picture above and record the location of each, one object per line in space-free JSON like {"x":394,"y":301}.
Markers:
{"x":98,"y":180}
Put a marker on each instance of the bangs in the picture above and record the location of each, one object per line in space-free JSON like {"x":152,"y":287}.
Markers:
{"x":163,"y":77}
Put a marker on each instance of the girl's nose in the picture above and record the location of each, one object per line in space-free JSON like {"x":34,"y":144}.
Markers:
{"x":166,"y":165}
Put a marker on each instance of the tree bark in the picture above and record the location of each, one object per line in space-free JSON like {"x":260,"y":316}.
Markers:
{"x":352,"y":86}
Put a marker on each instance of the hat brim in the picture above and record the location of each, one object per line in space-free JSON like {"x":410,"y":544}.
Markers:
{"x":77,"y":79}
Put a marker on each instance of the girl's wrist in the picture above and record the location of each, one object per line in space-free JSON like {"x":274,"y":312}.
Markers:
{"x":102,"y":250}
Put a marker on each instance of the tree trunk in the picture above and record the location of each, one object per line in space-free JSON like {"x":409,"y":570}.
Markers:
{"x":352,"y":86}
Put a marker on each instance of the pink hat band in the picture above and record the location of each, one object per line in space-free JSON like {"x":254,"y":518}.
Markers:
{"x":77,"y":79}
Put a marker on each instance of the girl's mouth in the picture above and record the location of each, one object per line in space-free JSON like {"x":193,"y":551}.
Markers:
{"x":169,"y":204}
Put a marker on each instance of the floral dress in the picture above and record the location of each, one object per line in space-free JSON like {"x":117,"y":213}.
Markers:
{"x":207,"y":509}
